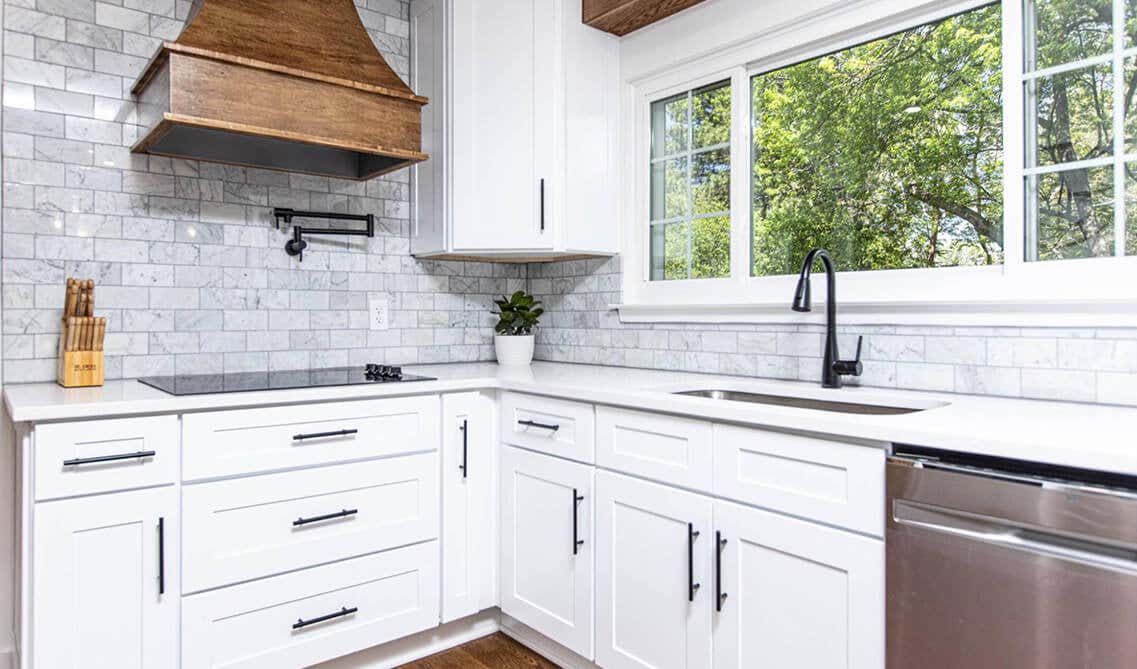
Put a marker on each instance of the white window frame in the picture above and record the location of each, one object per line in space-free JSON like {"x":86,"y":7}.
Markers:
{"x":1099,"y":292}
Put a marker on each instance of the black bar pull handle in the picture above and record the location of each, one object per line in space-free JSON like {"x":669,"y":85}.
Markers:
{"x":109,"y":458}
{"x":328,"y":516}
{"x":720,"y":596}
{"x":692,"y":586}
{"x":465,"y":466}
{"x":161,"y":556}
{"x":543,"y":426}
{"x":345,"y":611}
{"x":542,"y":189}
{"x":577,"y":498}
{"x":323,"y":435}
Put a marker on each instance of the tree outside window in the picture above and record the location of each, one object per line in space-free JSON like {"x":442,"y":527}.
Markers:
{"x":889,"y":154}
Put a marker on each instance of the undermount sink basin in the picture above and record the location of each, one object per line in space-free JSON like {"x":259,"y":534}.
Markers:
{"x":801,"y":402}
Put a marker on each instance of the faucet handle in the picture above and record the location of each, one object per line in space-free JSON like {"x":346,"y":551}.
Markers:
{"x":851,"y":367}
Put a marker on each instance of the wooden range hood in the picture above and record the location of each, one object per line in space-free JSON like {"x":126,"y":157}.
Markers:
{"x":294,"y":85}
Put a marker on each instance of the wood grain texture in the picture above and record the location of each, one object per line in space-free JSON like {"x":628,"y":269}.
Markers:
{"x":325,"y":37}
{"x":496,"y":651}
{"x":293,"y":70}
{"x":315,"y":111}
{"x":621,"y":17}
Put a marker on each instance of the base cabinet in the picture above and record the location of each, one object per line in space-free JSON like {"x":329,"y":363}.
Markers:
{"x":300,"y":619}
{"x":653,"y":575}
{"x":106,"y":582}
{"x":546,"y":546}
{"x":469,"y":505}
{"x":797,"y":594}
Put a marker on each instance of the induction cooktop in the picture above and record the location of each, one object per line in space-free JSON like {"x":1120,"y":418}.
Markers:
{"x":204,"y":384}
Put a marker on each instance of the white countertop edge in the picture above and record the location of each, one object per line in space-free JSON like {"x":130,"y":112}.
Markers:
{"x":1076,"y":435}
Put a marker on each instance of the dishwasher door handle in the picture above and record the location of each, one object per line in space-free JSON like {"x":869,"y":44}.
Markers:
{"x":1008,"y":535}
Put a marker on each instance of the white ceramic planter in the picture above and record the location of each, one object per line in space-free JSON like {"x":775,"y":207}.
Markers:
{"x":515,"y":351}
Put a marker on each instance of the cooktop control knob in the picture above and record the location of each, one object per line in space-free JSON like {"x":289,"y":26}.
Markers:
{"x":376,"y":372}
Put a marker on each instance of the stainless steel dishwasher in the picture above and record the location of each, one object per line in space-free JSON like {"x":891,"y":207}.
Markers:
{"x":1001,"y":564}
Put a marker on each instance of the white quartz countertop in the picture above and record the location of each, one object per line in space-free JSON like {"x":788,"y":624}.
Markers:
{"x":1078,"y":435}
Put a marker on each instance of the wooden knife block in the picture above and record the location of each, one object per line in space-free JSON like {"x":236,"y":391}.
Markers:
{"x":78,"y":369}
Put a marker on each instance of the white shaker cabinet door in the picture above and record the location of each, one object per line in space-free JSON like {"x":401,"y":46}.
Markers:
{"x":469,"y":505}
{"x":653,"y":577}
{"x":504,"y":75}
{"x":546,"y":546}
{"x":796,"y":594}
{"x":106,"y":582}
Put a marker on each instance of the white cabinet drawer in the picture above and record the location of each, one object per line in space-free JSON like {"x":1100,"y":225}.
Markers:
{"x":243,"y":529}
{"x":827,"y":481}
{"x":557,"y":427}
{"x":269,"y":624}
{"x":665,"y":448}
{"x":229,"y":443}
{"x":87,"y":457}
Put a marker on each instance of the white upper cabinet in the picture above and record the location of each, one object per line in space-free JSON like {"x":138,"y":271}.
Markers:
{"x":521,"y":129}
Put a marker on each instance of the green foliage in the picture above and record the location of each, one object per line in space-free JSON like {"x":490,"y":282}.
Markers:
{"x":1073,"y":120}
{"x":694,"y":185}
{"x":889,"y":154}
{"x":517,"y":314}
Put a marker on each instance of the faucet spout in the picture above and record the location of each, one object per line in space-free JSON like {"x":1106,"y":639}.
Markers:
{"x":833,"y":368}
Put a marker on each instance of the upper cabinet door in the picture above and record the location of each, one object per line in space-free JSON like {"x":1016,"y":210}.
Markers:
{"x":469,"y":506}
{"x":106,"y":581}
{"x":796,"y":594}
{"x":546,"y":546}
{"x":503,"y":70}
{"x":653,"y":576}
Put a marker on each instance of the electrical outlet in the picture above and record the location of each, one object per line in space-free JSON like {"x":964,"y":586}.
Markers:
{"x":379,"y":310}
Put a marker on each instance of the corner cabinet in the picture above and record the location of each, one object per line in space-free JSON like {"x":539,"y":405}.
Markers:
{"x":521,"y":130}
{"x":546,"y":546}
{"x":469,"y":505}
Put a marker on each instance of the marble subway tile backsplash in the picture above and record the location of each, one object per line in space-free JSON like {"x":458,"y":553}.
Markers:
{"x":191,"y":272}
{"x":1075,"y":364}
{"x":193,"y":277}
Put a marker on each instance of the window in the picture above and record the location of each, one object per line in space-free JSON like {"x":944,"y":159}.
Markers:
{"x":690,"y":184}
{"x":939,"y":150}
{"x":888,"y":154}
{"x":1081,"y":128}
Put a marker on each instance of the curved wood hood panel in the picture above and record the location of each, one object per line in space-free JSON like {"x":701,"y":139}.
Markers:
{"x":269,"y":83}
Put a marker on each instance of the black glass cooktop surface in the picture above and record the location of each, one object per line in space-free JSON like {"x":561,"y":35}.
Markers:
{"x":204,"y":384}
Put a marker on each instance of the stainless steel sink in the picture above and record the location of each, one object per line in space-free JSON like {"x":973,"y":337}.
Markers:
{"x":800,"y":402}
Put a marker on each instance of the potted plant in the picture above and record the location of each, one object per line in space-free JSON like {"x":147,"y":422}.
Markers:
{"x":517,"y":315}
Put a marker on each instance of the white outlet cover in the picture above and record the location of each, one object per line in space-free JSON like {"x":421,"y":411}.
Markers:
{"x":379,"y":310}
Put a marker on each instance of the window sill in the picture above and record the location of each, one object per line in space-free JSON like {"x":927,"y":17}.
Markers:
{"x":1003,"y":313}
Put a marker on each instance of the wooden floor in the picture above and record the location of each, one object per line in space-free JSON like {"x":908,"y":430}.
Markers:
{"x":491,"y":652}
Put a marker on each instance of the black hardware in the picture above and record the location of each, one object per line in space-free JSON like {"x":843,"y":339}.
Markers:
{"x":576,"y":543}
{"x":296,"y":245}
{"x":465,"y":445}
{"x":833,"y":367}
{"x":328,"y":516}
{"x":720,"y":596}
{"x":108,"y":458}
{"x":323,"y":435}
{"x":161,"y":556}
{"x":692,"y":586}
{"x":375,"y":372}
{"x":542,"y":205}
{"x":543,"y":426}
{"x":301,"y":623}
